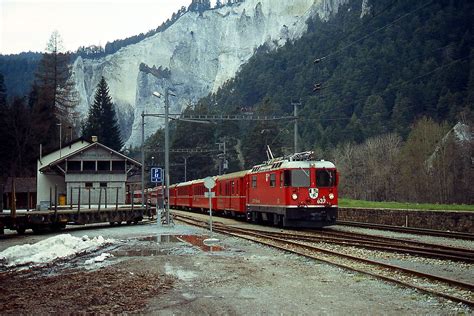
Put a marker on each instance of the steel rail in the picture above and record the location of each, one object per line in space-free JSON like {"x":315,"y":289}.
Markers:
{"x":415,"y":248}
{"x":410,"y":230}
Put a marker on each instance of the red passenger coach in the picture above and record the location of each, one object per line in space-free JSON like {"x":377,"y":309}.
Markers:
{"x":231,"y":193}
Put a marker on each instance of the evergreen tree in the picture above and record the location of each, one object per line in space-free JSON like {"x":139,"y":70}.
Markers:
{"x":373,"y":116}
{"x":3,"y":92}
{"x":57,"y":98}
{"x":401,"y":117}
{"x":102,"y":120}
{"x":5,"y":141}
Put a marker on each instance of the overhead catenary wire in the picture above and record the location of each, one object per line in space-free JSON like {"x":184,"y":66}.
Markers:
{"x":366,"y":22}
{"x":363,"y":98}
{"x":325,"y":87}
{"x":317,"y":60}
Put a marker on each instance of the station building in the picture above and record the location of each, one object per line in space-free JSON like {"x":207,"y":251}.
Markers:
{"x":85,"y":172}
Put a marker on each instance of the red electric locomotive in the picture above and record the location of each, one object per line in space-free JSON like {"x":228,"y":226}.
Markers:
{"x":291,"y":191}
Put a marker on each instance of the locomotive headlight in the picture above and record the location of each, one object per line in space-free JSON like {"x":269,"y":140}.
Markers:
{"x":294,"y":196}
{"x":331,"y":196}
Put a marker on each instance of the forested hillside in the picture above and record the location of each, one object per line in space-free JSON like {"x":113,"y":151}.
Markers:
{"x":362,"y":81}
{"x":19,"y":72}
{"x":378,"y":73}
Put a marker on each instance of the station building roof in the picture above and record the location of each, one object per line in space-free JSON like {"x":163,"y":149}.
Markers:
{"x":92,"y":145}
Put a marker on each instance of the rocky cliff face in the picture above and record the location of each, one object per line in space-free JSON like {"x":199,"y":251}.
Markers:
{"x":193,"y":57}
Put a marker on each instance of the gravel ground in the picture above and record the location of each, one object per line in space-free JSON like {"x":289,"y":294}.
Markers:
{"x":167,"y":271}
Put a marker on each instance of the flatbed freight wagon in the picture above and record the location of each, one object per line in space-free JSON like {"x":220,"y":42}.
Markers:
{"x":57,"y":219}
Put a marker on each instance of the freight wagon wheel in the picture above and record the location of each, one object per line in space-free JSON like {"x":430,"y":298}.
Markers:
{"x":57,"y":227}
{"x":20,"y":230}
{"x":39,"y":229}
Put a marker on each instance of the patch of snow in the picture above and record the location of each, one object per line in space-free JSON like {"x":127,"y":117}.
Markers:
{"x":50,"y":249}
{"x":100,"y":258}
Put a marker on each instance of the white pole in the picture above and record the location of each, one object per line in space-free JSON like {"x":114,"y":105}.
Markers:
{"x":167,"y":161}
{"x":210,"y":211}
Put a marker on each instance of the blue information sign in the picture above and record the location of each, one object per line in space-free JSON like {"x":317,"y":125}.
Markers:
{"x":156,"y":175}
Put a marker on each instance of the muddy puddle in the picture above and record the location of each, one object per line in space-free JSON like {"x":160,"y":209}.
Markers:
{"x":198,"y":241}
{"x":193,"y":240}
{"x":160,"y":238}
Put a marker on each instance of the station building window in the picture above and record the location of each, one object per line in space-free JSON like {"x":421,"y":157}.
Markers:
{"x":88,"y":185}
{"x":88,"y":165}
{"x":73,"y":166}
{"x":103,"y":165}
{"x":118,"y":166}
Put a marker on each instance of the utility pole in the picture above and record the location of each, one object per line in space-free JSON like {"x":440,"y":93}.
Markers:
{"x":185,"y":167}
{"x":167,"y":160}
{"x":295,"y":114}
{"x":167,"y":152}
{"x":60,"y":138}
{"x":223,"y":166}
{"x":143,"y":159}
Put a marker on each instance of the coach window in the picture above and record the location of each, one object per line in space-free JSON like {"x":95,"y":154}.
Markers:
{"x":300,"y":177}
{"x":272,"y":179}
{"x":254,"y":181}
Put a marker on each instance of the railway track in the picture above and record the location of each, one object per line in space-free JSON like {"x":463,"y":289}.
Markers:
{"x":409,"y":230}
{"x":425,"y":282}
{"x":68,"y":228}
{"x":390,"y":244}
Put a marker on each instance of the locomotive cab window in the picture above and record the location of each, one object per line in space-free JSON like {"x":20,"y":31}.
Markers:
{"x":286,"y":178}
{"x":300,"y":178}
{"x":325,"y":178}
{"x":254,"y":181}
